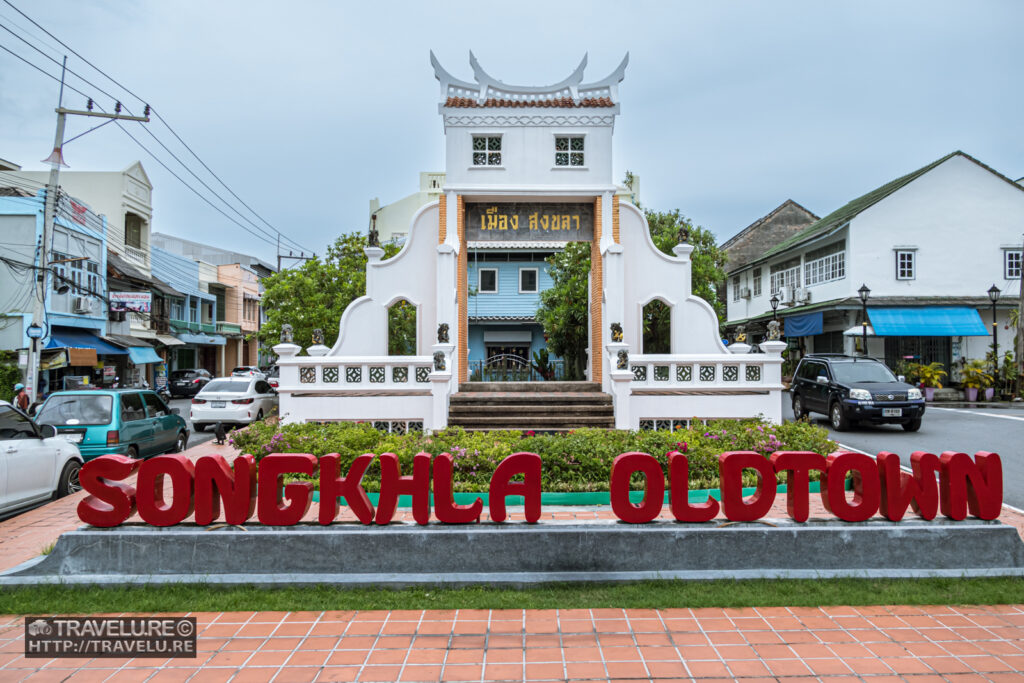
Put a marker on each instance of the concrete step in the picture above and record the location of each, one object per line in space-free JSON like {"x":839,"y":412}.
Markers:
{"x":532,"y":422}
{"x":516,"y":399}
{"x":501,"y":410}
{"x":530,"y":387}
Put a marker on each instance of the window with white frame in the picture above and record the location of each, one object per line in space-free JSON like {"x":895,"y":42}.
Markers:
{"x":825,"y":264}
{"x":757,"y":282}
{"x":569,"y":150}
{"x":527,"y":280}
{"x":77,"y":277}
{"x":487,"y":281}
{"x":1011,"y":264}
{"x":785,"y":274}
{"x":58,"y":270}
{"x":736,"y":288}
{"x":93,"y":278}
{"x":487,"y":150}
{"x":906,"y":264}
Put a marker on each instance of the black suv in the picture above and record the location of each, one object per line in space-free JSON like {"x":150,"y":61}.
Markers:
{"x":188,"y":382}
{"x":851,"y":389}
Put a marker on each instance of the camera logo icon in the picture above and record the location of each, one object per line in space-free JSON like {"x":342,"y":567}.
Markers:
{"x":40,"y":627}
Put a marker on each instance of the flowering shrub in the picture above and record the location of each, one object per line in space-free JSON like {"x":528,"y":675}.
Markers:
{"x":576,"y":461}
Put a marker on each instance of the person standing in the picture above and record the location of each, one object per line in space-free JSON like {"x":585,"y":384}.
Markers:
{"x":21,"y":399}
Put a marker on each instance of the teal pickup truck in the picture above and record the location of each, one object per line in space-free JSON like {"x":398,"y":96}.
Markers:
{"x":130,"y":422}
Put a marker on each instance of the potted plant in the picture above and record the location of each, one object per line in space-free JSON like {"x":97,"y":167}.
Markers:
{"x":975,"y":376}
{"x":931,"y":377}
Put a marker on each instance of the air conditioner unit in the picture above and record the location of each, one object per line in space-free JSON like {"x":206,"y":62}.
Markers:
{"x":82,"y":304}
{"x":745,"y":293}
{"x":786,"y":294}
{"x":116,"y":316}
{"x":803,"y":295}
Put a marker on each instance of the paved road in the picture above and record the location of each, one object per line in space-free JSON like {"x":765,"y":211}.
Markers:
{"x":947,"y":429}
{"x":195,"y":438}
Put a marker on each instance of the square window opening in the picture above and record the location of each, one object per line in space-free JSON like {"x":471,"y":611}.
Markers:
{"x":527,"y":280}
{"x":487,"y":281}
{"x":487,"y":150}
{"x":569,"y":151}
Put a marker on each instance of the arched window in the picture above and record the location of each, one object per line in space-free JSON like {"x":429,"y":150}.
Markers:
{"x":657,"y":321}
{"x":402,"y":328}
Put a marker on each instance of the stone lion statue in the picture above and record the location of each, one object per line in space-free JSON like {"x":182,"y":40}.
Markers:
{"x":616,"y":332}
{"x":442,"y":333}
{"x":318,"y":336}
{"x":286,"y":334}
{"x":774,"y":331}
{"x":623,"y":362}
{"x":439,"y":363}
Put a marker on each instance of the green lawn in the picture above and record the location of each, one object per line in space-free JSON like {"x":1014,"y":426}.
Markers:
{"x":649,"y":594}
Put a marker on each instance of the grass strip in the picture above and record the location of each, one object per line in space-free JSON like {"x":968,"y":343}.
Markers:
{"x":646,"y":594}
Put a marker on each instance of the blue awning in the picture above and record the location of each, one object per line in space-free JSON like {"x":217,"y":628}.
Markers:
{"x":206,"y":339}
{"x":76,"y":338}
{"x":804,"y":325}
{"x":934,"y":321}
{"x":141,"y":355}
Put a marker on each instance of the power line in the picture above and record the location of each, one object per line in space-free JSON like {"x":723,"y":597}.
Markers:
{"x":165,"y":123}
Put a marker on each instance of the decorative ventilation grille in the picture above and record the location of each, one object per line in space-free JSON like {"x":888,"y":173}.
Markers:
{"x":331,"y":375}
{"x":660,"y":373}
{"x":307,"y":375}
{"x":377,"y":374}
{"x":423,"y":374}
{"x":640,"y":373}
{"x":753,"y":373}
{"x":731,"y":373}
{"x":354,"y":374}
{"x":684,"y":373}
{"x":399,"y":374}
{"x":707,"y":373}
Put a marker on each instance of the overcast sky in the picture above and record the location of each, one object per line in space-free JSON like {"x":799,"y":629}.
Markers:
{"x":308,"y":109}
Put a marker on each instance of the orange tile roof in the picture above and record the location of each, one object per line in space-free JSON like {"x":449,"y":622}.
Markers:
{"x":562,"y":102}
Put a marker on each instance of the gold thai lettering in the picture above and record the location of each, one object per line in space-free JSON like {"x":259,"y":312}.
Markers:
{"x":565,"y":222}
{"x":514,"y":221}
{"x":533,"y":221}
{"x":577,"y":220}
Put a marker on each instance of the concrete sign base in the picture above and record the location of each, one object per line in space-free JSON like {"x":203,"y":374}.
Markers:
{"x":519,"y":554}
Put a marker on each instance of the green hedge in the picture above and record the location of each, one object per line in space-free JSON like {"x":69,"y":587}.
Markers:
{"x":579,"y":461}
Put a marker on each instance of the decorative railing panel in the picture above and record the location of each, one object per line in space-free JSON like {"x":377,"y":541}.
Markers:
{"x":339,"y":374}
{"x":701,"y":373}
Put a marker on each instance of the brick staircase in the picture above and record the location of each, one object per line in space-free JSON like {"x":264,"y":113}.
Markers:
{"x":540,"y":406}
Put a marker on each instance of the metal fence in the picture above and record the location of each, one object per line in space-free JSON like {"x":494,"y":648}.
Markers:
{"x":512,"y":368}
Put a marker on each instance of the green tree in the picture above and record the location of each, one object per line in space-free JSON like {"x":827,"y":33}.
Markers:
{"x":563,"y":307}
{"x":315,"y":294}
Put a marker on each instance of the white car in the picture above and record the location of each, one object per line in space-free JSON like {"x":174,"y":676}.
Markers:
{"x":233,"y":401}
{"x":248,"y":371}
{"x":36,"y":465}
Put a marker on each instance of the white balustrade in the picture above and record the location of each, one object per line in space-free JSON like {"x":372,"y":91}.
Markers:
{"x":704,"y":373}
{"x":362,"y":374}
{"x":137,"y":255}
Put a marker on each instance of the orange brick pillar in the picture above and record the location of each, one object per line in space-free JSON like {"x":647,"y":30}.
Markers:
{"x":442,"y":221}
{"x":462,"y":280}
{"x":596,"y":287}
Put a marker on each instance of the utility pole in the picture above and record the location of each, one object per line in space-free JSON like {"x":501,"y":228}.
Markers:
{"x":56,"y":160}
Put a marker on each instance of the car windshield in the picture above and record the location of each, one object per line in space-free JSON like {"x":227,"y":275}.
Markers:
{"x":225,"y":385}
{"x":184,"y":374}
{"x":76,"y":409}
{"x":862,"y":372}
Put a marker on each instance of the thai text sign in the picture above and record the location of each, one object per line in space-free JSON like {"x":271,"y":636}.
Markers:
{"x":170,"y":488}
{"x":133,"y":302}
{"x":530,"y":222}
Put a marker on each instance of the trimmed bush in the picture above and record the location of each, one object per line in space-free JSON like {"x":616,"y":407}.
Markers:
{"x":579,"y":461}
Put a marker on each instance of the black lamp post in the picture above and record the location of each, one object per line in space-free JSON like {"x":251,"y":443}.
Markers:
{"x":774,"y":301}
{"x":993,"y":295}
{"x":864,"y":292}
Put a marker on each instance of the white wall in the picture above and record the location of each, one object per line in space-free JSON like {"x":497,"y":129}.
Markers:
{"x":528,"y":153}
{"x":958,"y":216}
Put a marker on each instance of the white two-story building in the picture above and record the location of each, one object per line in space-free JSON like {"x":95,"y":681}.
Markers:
{"x":928,"y":246}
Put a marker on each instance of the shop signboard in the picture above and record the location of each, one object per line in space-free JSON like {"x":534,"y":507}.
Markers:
{"x":131,"y":302}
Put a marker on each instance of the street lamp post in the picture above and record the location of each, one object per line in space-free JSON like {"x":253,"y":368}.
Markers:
{"x":993,"y":295}
{"x":864,"y":293}
{"x":774,"y":301}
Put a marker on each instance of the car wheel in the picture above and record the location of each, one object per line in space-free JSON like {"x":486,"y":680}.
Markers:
{"x":180,"y":444}
{"x":259,"y":415}
{"x":200,"y":427}
{"x":798,"y":408}
{"x":912,"y":426}
{"x":132,"y":453}
{"x":68,"y":482}
{"x":840,"y":422}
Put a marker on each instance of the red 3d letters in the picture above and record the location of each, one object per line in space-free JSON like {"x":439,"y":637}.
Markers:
{"x":170,"y":488}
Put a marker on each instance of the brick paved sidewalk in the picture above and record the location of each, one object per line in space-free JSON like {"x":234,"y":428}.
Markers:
{"x":830,"y":644}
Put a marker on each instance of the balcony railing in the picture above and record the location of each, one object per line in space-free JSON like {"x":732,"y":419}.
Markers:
{"x":228,"y":328}
{"x":137,"y":255}
{"x":405,"y":374}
